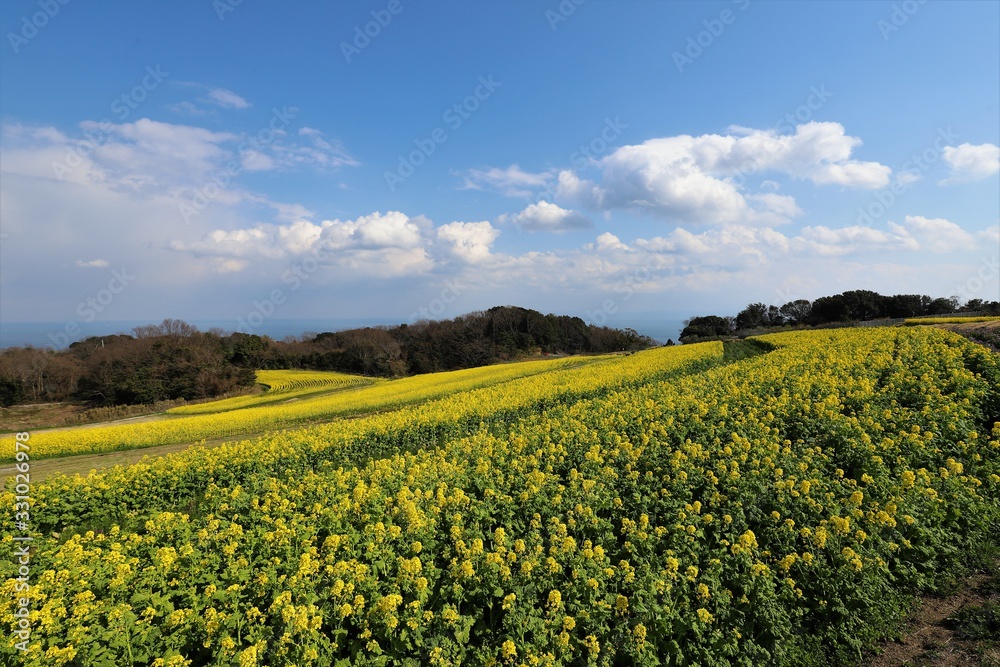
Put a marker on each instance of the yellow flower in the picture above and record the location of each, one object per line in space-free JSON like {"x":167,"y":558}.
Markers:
{"x":508,"y":651}
{"x":555,"y":599}
{"x":248,"y":657}
{"x":704,"y":616}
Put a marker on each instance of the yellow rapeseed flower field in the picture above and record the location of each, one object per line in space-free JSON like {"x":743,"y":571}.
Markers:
{"x":262,"y":417}
{"x":280,"y":386}
{"x":660,"y":508}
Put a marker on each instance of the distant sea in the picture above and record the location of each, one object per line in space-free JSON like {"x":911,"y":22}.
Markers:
{"x":56,"y":335}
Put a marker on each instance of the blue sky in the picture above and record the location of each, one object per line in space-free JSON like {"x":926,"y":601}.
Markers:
{"x":612,"y":160}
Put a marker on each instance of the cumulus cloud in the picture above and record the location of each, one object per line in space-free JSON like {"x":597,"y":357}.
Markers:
{"x":971,"y":163}
{"x":935,"y":234}
{"x":545,"y":216}
{"x":703,"y":179}
{"x":391,"y":243}
{"x":609,"y":242}
{"x":469,"y":241}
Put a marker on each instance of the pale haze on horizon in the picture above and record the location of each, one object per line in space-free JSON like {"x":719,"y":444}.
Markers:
{"x":231,"y":160}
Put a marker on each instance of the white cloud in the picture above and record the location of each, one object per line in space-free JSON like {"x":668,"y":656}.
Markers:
{"x":392,"y":230}
{"x":990,"y":235}
{"x":149,"y":146}
{"x":971,"y":163}
{"x":313,"y":149}
{"x":390,"y":243}
{"x":725,"y":246}
{"x":185,"y":108}
{"x":702,"y":179}
{"x":609,"y":242}
{"x":160,"y":159}
{"x":856,"y":239}
{"x":470,"y":241}
{"x":773,"y":207}
{"x":935,"y":234}
{"x":512,"y":181}
{"x":212,"y":98}
{"x":93,"y":264}
{"x":119,"y":204}
{"x":227,"y":99}
{"x":545,"y":216}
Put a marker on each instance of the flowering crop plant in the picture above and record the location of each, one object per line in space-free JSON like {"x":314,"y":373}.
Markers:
{"x":283,"y":385}
{"x":663,"y":508}
{"x":255,"y":415}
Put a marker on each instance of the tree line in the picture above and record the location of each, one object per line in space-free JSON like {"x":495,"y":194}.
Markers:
{"x":850,"y":306}
{"x":160,"y":362}
{"x":174,"y":360}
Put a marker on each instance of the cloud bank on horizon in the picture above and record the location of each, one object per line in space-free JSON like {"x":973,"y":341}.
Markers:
{"x":664,"y":191}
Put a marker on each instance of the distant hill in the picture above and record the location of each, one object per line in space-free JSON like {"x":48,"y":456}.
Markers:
{"x":502,"y":333}
{"x":173,"y":360}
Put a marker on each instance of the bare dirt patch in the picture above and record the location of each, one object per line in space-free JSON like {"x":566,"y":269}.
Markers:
{"x":38,"y":415}
{"x":934,"y":636}
{"x":986,"y":334}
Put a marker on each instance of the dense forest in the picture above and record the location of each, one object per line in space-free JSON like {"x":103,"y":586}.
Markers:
{"x":173,"y":360}
{"x":851,"y":306}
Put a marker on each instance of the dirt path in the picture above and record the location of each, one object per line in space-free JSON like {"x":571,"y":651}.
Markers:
{"x":986,"y":334}
{"x":933,"y":637}
{"x":84,"y":463}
